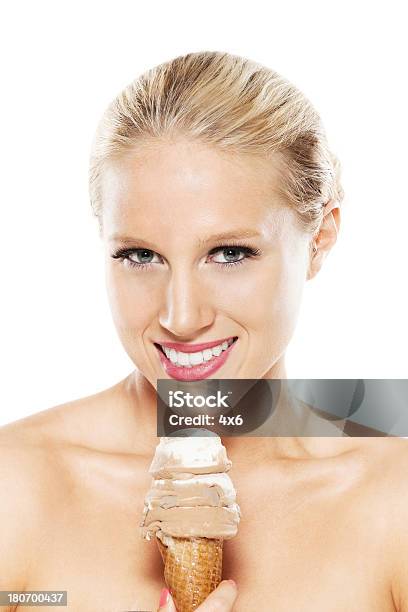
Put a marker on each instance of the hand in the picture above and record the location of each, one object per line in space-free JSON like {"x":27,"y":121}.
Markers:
{"x":221,"y":599}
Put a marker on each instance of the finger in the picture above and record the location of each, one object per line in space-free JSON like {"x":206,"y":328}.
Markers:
{"x":221,"y":599}
{"x":166,"y":603}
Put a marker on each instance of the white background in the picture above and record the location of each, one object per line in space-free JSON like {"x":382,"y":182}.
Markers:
{"x":62,"y":63}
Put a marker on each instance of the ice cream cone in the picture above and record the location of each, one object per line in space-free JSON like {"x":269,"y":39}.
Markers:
{"x":192,"y":569}
{"x":190,"y":510}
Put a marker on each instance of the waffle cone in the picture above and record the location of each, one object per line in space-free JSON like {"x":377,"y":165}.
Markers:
{"x":192,"y":569}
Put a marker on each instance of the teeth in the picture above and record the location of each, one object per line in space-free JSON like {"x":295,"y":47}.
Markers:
{"x":191,"y":359}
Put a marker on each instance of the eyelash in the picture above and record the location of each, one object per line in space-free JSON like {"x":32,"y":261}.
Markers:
{"x":123,"y":254}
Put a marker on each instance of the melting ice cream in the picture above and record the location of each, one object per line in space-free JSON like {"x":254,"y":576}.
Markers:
{"x":191,"y":494}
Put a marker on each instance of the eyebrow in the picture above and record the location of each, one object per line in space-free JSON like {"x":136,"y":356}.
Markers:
{"x":237,"y":234}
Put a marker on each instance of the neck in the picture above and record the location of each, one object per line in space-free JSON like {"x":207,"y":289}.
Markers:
{"x":262,"y":445}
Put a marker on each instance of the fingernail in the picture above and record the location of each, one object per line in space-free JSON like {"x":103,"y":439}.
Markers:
{"x":164,"y":597}
{"x":232,"y":582}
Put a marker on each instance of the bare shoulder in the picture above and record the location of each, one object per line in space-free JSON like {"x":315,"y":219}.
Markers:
{"x":391,"y":470}
{"x":27,"y":471}
{"x":34,"y":480}
{"x":398,"y":474}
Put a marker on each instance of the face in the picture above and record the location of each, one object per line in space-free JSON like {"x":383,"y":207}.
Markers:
{"x":201,"y":251}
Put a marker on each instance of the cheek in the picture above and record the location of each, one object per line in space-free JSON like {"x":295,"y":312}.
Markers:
{"x":132,"y":300}
{"x":264,"y":297}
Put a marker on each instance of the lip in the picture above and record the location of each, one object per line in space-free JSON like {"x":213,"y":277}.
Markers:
{"x":198,"y":372}
{"x":193,"y":348}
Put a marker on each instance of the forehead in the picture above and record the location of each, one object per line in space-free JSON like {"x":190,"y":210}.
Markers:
{"x":179,"y":185}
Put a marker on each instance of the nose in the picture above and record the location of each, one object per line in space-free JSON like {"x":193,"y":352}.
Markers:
{"x":188,"y":306}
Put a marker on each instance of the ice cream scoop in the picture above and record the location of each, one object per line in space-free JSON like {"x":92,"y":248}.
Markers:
{"x":191,"y":455}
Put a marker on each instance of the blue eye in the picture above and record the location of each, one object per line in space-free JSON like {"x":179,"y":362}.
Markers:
{"x":144,"y":256}
{"x":129,"y":255}
{"x":230,"y":254}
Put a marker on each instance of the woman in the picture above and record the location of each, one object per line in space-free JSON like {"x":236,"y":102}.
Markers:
{"x":217,"y":199}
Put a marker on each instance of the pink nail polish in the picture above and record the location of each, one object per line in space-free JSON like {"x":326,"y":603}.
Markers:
{"x":164,"y":597}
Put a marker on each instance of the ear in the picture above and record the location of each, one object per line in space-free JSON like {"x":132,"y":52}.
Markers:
{"x":325,"y":239}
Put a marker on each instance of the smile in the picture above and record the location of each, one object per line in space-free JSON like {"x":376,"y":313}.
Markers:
{"x":194,"y":365}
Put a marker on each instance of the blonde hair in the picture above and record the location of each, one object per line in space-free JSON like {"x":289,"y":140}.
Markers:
{"x":232,"y":103}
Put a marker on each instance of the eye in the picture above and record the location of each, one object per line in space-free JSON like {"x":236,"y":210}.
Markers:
{"x":136,"y":258}
{"x":231,"y":254}
{"x":142,"y":256}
